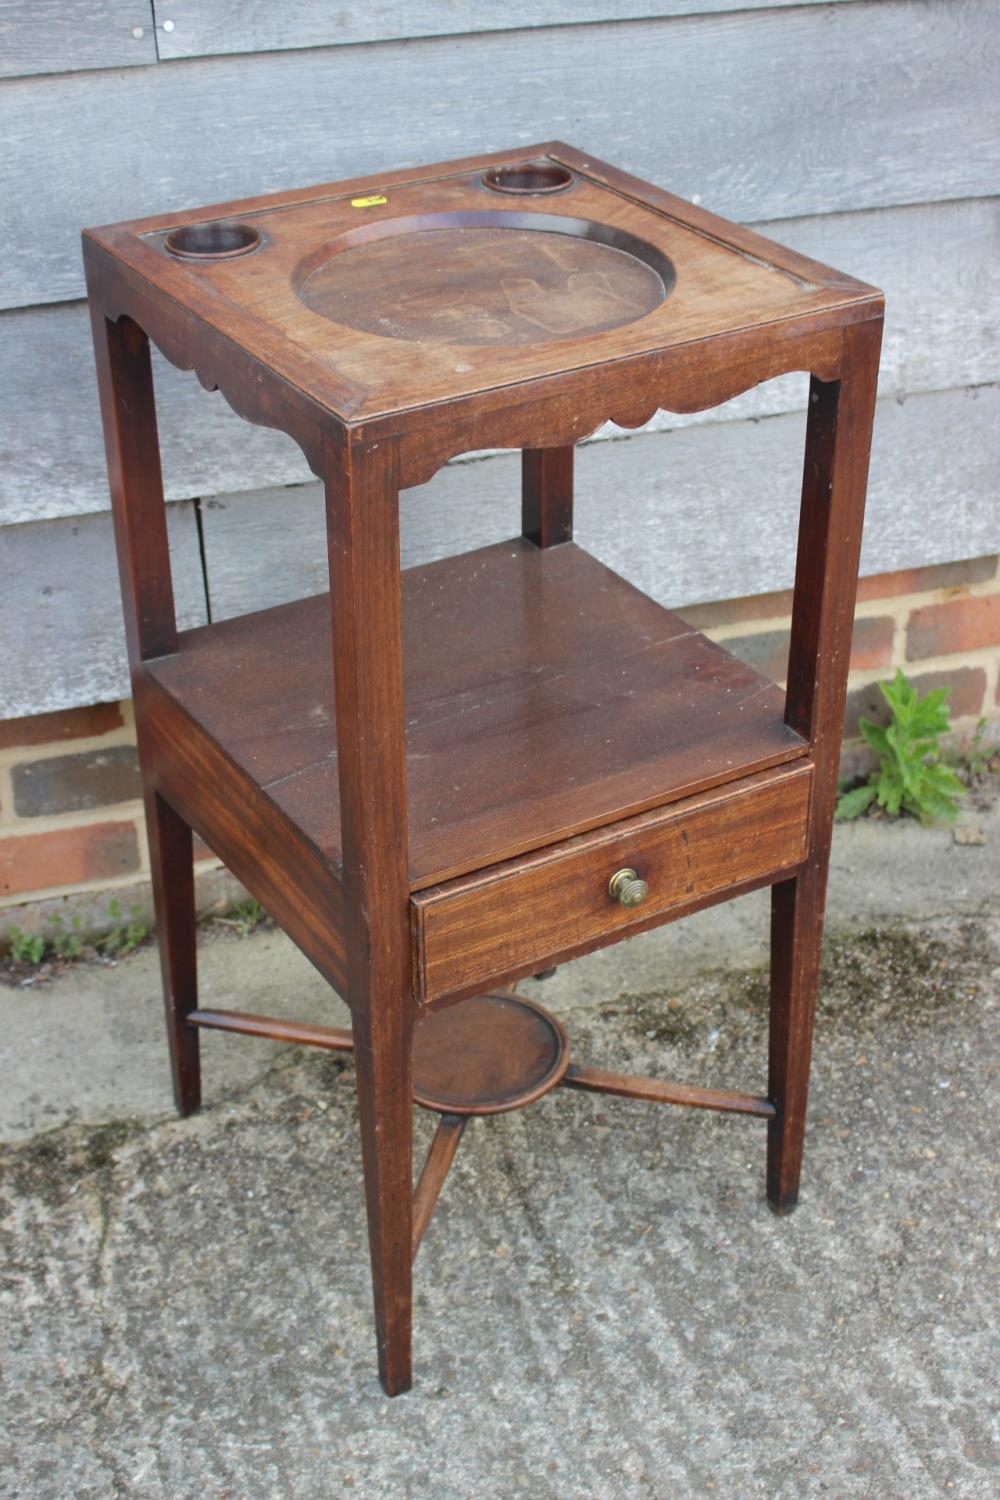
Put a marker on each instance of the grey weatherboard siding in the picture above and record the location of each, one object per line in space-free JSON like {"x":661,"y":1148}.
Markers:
{"x":866,"y":133}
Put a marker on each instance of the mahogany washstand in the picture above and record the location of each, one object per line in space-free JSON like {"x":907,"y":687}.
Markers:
{"x":442,"y":779}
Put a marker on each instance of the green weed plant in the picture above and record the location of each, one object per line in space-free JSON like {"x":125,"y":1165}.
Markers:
{"x":25,"y":949}
{"x":244,"y":917}
{"x":68,"y":942}
{"x":125,"y":936}
{"x":911,"y":777}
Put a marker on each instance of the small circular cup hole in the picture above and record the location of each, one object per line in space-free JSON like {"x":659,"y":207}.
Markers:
{"x":529,"y":177}
{"x":213,"y":241}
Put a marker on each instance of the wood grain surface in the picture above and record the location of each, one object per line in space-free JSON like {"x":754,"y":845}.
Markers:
{"x":834,"y":477}
{"x":544,"y":906}
{"x":542,"y":714}
{"x":250,"y":834}
{"x":658,"y":1091}
{"x":205,"y":312}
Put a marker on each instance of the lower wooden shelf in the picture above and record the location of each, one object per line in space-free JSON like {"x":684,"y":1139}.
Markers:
{"x":545,"y":697}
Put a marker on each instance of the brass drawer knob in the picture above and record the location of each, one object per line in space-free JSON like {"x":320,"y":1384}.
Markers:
{"x":627,"y":889}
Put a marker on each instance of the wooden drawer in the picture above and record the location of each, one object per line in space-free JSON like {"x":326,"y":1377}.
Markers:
{"x":520,"y":915}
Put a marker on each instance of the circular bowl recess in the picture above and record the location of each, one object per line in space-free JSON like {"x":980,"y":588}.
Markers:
{"x":216,"y":240}
{"x":494,"y":276}
{"x":529,"y":177}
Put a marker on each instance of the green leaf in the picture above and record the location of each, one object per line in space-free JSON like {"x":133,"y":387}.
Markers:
{"x":900,"y":696}
{"x":943,"y":779}
{"x":929,"y":720}
{"x":890,"y":794}
{"x":852,"y":804}
{"x":933,"y":806}
{"x":875,"y":735}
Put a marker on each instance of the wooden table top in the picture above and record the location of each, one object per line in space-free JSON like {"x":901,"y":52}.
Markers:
{"x":386,"y":294}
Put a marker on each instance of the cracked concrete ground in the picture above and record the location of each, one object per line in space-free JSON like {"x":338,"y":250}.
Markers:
{"x":605,"y":1306}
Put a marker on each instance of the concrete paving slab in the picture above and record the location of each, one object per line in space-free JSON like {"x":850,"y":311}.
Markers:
{"x":605,"y":1306}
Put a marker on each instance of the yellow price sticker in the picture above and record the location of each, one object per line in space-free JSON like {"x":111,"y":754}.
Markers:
{"x":372,"y":202}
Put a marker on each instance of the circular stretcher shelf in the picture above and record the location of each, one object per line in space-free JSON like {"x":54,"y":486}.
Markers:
{"x":486,"y":1055}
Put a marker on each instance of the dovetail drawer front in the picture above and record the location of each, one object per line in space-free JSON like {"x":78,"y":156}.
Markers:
{"x":555,"y":903}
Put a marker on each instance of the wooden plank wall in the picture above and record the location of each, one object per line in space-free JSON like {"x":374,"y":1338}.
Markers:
{"x":64,"y":36}
{"x":865,"y":132}
{"x":763,"y":114}
{"x":227,"y":26}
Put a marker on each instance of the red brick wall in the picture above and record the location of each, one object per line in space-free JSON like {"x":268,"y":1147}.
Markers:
{"x":940,"y":624}
{"x":70,"y":807}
